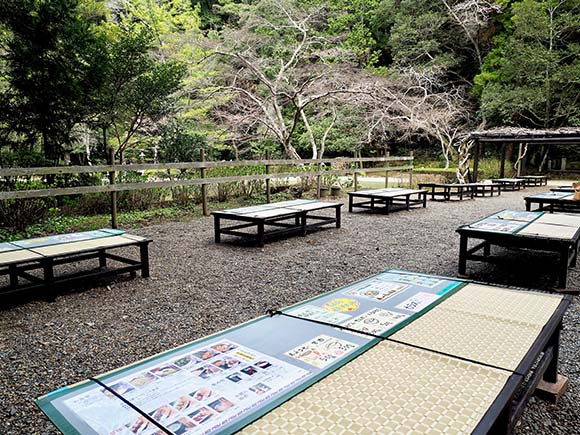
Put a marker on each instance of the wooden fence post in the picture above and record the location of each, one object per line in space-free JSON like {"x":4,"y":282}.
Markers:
{"x":267,"y":179}
{"x":203,"y":186}
{"x":411,"y":170}
{"x":112,"y":180}
{"x":318,"y":180}
{"x":387,"y":154}
{"x":355,"y":177}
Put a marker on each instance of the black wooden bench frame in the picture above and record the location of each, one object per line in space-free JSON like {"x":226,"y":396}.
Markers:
{"x":531,"y":180}
{"x":299,"y":223}
{"x":566,"y":248}
{"x":569,"y":189}
{"x":512,"y":185}
{"x":506,"y":409}
{"x":552,"y":204}
{"x":447,"y":191}
{"x":480,"y":189}
{"x":48,"y":281}
{"x":460,"y":190}
{"x":387,"y":204}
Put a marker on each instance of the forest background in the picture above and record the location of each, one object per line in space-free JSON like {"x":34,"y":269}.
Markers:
{"x":160,"y":80}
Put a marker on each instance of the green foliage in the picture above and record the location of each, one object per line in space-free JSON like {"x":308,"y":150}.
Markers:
{"x":181,"y":142}
{"x":57,"y":223}
{"x":19,"y":213}
{"x":490,"y":168}
{"x":532,"y":77}
{"x":53,"y":59}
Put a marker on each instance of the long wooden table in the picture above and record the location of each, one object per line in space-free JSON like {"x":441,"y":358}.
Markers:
{"x":387,"y":199}
{"x":553,"y":201}
{"x":286,"y":217}
{"x":21,"y":257}
{"x":558,"y":233}
{"x":396,"y":353}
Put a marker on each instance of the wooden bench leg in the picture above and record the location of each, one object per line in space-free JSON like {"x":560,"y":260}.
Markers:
{"x":303,"y":224}
{"x":553,"y":386}
{"x":338,"y":216}
{"x":424,"y":200}
{"x":260,"y":235}
{"x":13,"y":272}
{"x":144,"y":251}
{"x":350,"y":202}
{"x":217,"y":229}
{"x":563,"y":269}
{"x":487,"y":249}
{"x":575,"y":256}
{"x":102,"y":259}
{"x":48,"y":270}
{"x":463,"y":255}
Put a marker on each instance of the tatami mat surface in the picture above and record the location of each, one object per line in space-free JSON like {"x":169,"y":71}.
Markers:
{"x":548,"y":230}
{"x":390,"y":389}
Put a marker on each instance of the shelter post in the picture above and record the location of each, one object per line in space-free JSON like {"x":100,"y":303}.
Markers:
{"x":476,"y":160}
{"x":502,"y":164}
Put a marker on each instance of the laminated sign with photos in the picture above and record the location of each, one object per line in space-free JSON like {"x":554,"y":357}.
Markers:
{"x":219,"y":384}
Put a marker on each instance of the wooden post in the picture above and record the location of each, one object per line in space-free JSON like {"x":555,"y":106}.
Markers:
{"x":112,"y":180}
{"x":267,"y":179}
{"x":519,"y":170}
{"x":355,"y":174}
{"x":502,"y":164}
{"x":524,"y":162}
{"x":203,"y":186}
{"x":387,"y":154}
{"x":318,"y":180}
{"x":411,"y":170}
{"x":475,"y":160}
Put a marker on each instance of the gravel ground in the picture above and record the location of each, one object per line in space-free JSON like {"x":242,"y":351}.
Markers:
{"x":198,"y":287}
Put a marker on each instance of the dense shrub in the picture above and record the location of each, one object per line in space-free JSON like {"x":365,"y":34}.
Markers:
{"x":19,"y":213}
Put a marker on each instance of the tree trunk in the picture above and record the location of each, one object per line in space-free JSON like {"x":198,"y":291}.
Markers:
{"x":291,"y":151}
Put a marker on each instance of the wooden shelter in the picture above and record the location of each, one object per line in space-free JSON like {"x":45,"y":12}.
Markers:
{"x":510,"y":135}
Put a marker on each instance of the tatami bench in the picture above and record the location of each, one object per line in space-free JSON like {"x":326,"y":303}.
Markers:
{"x":553,"y":201}
{"x":396,"y":353}
{"x":510,"y":183}
{"x":446,"y":191}
{"x":21,"y":257}
{"x":558,"y":233}
{"x":287,"y":217}
{"x":387,"y":199}
{"x":534,"y":180}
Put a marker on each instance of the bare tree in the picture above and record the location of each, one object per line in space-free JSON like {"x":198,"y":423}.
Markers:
{"x":473,"y":16}
{"x":278,"y":67}
{"x":414,"y":105}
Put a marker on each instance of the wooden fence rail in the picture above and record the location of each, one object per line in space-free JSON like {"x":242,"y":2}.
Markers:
{"x":204,"y":180}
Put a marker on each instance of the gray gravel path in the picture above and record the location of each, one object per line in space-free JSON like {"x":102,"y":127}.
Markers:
{"x":198,"y":288}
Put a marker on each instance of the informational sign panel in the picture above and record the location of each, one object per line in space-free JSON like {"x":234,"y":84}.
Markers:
{"x":506,"y":221}
{"x":221,"y":383}
{"x":66,"y":238}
